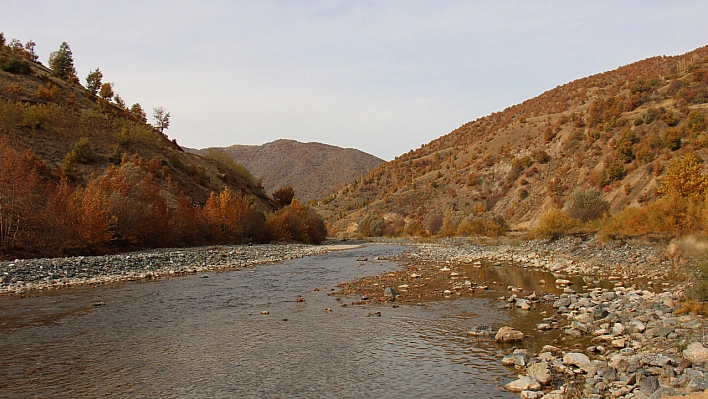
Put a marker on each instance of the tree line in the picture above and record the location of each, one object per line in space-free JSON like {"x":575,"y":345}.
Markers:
{"x":130,"y":206}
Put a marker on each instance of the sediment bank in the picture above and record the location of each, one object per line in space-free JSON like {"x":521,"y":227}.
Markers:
{"x":23,"y":275}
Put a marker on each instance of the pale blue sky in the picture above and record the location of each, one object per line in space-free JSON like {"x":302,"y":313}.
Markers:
{"x":380,"y":76}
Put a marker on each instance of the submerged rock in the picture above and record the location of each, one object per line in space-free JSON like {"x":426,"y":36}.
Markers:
{"x":482,"y":331}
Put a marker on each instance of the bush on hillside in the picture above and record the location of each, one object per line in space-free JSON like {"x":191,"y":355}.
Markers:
{"x":671,"y":215}
{"x":587,"y":204}
{"x":554,"y":225}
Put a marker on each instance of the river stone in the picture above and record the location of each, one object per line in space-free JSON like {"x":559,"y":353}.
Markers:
{"x":599,"y":313}
{"x":696,"y":353}
{"x":508,"y":334}
{"x":573,"y":333}
{"x":531,"y":395}
{"x":693,"y":324}
{"x":608,"y":296}
{"x":697,"y":385}
{"x":637,"y":326}
{"x":576,"y":359}
{"x":482,"y":330}
{"x":524,"y":383}
{"x":514,"y":359}
{"x":583,"y":362}
{"x":650,"y":384}
{"x":540,"y":372}
{"x":562,"y":303}
{"x":390,"y":292}
{"x":618,"y":329}
{"x":523,"y":304}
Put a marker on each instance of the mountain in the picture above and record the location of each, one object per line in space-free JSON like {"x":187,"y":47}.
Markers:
{"x":616,"y":131}
{"x":52,"y":116}
{"x":314,"y":170}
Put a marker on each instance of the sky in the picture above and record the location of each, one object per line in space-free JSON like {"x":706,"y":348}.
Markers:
{"x":380,"y":76}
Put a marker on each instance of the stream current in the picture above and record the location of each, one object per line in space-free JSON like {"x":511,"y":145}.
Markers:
{"x":205,"y":336}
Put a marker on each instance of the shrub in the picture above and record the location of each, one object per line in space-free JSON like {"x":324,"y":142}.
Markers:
{"x":672,"y":215}
{"x":586,"y":205}
{"x":541,"y":156}
{"x":672,"y":139}
{"x":616,"y":171}
{"x":553,"y":225}
{"x":83,"y":151}
{"x":284,"y":196}
{"x":482,"y":227}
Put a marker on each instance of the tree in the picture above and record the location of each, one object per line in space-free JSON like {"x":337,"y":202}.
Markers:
{"x":119,"y":101}
{"x":2,"y":39}
{"x":685,"y":177}
{"x":162,"y":118}
{"x":29,"y":51}
{"x":138,"y":112}
{"x":62,"y":62}
{"x":284,"y":196}
{"x":93,"y":81}
{"x":106,"y":91}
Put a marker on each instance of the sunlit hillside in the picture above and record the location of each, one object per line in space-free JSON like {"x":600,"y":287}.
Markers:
{"x":616,"y":132}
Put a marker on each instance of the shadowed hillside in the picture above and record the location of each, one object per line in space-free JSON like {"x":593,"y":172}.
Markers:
{"x":616,"y":132}
{"x":314,"y":170}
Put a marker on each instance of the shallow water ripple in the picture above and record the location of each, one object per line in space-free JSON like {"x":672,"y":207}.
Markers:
{"x":206,"y":337}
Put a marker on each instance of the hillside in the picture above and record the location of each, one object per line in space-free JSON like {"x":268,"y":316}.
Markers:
{"x":314,"y":170}
{"x":82,"y":173}
{"x":615,"y":131}
{"x":48,"y":115}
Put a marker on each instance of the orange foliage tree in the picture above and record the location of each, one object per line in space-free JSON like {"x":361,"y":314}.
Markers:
{"x":20,"y":194}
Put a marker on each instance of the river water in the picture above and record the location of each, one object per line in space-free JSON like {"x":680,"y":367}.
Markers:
{"x":204,"y":336}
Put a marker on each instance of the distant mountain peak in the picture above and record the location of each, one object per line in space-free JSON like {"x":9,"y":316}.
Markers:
{"x":314,"y":170}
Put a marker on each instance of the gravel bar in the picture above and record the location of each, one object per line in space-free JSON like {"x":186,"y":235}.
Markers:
{"x":21,"y":275}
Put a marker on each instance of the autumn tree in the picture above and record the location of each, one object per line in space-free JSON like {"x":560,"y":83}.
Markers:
{"x":93,"y":81}
{"x":106,"y":91}
{"x":20,"y":193}
{"x":284,"y":196}
{"x":137,"y":111}
{"x":119,"y":102}
{"x":684,"y":177}
{"x":62,"y":62}
{"x":162,"y":118}
{"x":30,"y":54}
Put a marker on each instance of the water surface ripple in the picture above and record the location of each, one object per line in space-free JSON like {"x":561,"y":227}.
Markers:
{"x":196,"y":337}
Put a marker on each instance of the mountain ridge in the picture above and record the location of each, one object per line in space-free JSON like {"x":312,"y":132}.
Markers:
{"x":615,"y":131}
{"x":306,"y":166}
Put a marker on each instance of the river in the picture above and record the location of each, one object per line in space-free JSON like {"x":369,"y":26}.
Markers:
{"x":205,"y":336}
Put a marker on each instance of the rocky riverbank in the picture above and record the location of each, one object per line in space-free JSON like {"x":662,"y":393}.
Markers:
{"x":620,"y":341}
{"x":22,"y":275}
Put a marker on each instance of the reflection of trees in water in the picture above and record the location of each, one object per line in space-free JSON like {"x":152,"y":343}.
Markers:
{"x":528,"y":279}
